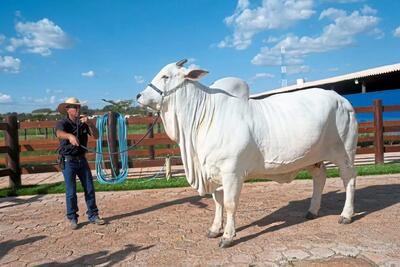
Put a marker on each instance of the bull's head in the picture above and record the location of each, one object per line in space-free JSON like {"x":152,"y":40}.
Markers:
{"x":166,"y":82}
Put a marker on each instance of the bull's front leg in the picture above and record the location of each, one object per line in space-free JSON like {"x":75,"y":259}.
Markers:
{"x":217,"y":226}
{"x":232,"y":186}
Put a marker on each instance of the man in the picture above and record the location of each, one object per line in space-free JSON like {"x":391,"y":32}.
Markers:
{"x":73,"y":131}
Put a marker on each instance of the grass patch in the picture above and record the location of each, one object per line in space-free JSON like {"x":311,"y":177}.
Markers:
{"x":140,"y":184}
{"x":130,"y":184}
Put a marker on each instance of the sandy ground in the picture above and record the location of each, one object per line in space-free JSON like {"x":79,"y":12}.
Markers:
{"x":167,"y":228}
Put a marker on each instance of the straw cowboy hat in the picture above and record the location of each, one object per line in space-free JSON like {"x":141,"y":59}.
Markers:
{"x":72,"y":101}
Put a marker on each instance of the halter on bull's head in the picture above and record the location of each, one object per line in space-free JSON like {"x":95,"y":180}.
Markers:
{"x":166,"y":82}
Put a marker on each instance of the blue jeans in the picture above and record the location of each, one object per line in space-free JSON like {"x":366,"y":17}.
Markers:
{"x":80,"y":168}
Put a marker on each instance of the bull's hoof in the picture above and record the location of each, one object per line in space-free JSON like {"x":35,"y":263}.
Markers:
{"x":225,"y":243}
{"x":344,"y":220}
{"x":211,"y":234}
{"x":311,"y":216}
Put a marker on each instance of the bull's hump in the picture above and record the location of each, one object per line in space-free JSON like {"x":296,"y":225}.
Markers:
{"x":234,"y":86}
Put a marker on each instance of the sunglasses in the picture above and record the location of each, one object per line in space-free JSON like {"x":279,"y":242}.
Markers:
{"x":72,"y":106}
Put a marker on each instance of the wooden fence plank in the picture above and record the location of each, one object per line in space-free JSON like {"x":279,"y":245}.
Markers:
{"x":4,"y":149}
{"x":364,"y":109}
{"x":388,"y":129}
{"x":365,"y":139}
{"x":5,"y":172}
{"x":392,"y":148}
{"x":366,"y":130}
{"x":365,"y":150}
{"x":391,"y":108}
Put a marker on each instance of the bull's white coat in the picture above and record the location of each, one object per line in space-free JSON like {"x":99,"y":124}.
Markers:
{"x":226,"y":138}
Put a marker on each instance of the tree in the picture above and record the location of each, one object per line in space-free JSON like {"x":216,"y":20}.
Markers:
{"x":122,"y":106}
{"x":41,"y":110}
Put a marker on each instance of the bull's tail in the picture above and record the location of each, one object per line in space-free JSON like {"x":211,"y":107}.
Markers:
{"x":351,"y":139}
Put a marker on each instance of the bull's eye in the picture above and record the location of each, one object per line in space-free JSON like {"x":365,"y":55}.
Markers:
{"x":165,"y":77}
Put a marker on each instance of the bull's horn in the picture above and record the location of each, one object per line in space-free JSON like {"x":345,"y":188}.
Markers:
{"x":180,"y":63}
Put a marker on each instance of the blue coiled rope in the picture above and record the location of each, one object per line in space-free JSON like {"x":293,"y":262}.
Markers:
{"x":102,"y":176}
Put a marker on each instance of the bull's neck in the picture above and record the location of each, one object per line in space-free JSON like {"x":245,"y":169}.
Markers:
{"x":183,"y":109}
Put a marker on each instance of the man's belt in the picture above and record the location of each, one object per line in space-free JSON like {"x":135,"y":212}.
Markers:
{"x":79,"y":157}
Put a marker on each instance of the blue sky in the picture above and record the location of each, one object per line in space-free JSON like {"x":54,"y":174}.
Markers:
{"x":51,"y":50}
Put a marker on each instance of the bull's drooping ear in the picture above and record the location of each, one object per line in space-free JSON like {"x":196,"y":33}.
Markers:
{"x":180,"y":63}
{"x":195,"y":75}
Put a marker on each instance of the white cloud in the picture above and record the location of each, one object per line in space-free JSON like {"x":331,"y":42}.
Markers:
{"x":397,"y":32}
{"x":56,"y":91}
{"x":367,"y":10}
{"x":333,"y":69}
{"x":39,"y":37}
{"x":52,"y":99}
{"x":5,"y":98}
{"x":271,"y":39}
{"x":263,"y":75}
{"x":193,"y":67}
{"x":272,"y":14}
{"x":339,"y":34}
{"x":260,"y":76}
{"x":294,"y":69}
{"x":10,"y":64}
{"x":332,"y":13}
{"x":2,"y":38}
{"x":138,"y":79}
{"x":344,"y":1}
{"x":88,"y":74}
{"x":41,"y":100}
{"x":377,"y":33}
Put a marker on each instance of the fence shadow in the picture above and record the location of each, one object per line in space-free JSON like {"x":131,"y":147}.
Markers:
{"x":17,"y":201}
{"x":367,"y":200}
{"x":6,"y":246}
{"x":100,"y":258}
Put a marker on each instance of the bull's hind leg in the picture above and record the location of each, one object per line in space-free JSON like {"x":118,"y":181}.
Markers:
{"x":318,"y":173}
{"x":348,"y":175}
{"x":217,"y":226}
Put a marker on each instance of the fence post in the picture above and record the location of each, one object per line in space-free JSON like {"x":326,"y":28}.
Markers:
{"x":112,"y":134}
{"x":151,"y":135}
{"x":12,"y":157}
{"x":378,"y":125}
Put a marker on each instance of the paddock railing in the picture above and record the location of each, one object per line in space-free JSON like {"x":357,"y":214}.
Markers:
{"x":37,"y":152}
{"x":10,"y":148}
{"x":378,"y":136}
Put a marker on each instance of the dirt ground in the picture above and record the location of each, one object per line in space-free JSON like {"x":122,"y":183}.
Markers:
{"x":167,"y":228}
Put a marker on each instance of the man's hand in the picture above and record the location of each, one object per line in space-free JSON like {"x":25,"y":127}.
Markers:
{"x":92,"y":128}
{"x":83,"y":118}
{"x":73,"y":140}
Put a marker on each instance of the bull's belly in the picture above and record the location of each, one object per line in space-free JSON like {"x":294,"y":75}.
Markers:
{"x":280,"y":178}
{"x":281,"y":172}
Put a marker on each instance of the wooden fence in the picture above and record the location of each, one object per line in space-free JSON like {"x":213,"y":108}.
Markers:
{"x":384,"y":136}
{"x":375,"y":137}
{"x":150,"y":153}
{"x":11,"y":149}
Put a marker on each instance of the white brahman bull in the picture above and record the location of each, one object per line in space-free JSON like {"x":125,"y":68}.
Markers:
{"x":226,"y":138}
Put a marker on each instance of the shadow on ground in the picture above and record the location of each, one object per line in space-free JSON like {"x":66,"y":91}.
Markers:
{"x":17,"y":201}
{"x":367,"y":200}
{"x":194,"y":200}
{"x":101,"y":257}
{"x":6,"y":246}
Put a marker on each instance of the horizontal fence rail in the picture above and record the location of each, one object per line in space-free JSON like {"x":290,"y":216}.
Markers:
{"x":39,"y":154}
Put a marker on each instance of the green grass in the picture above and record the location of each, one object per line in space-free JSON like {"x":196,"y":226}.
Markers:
{"x":139,"y":184}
